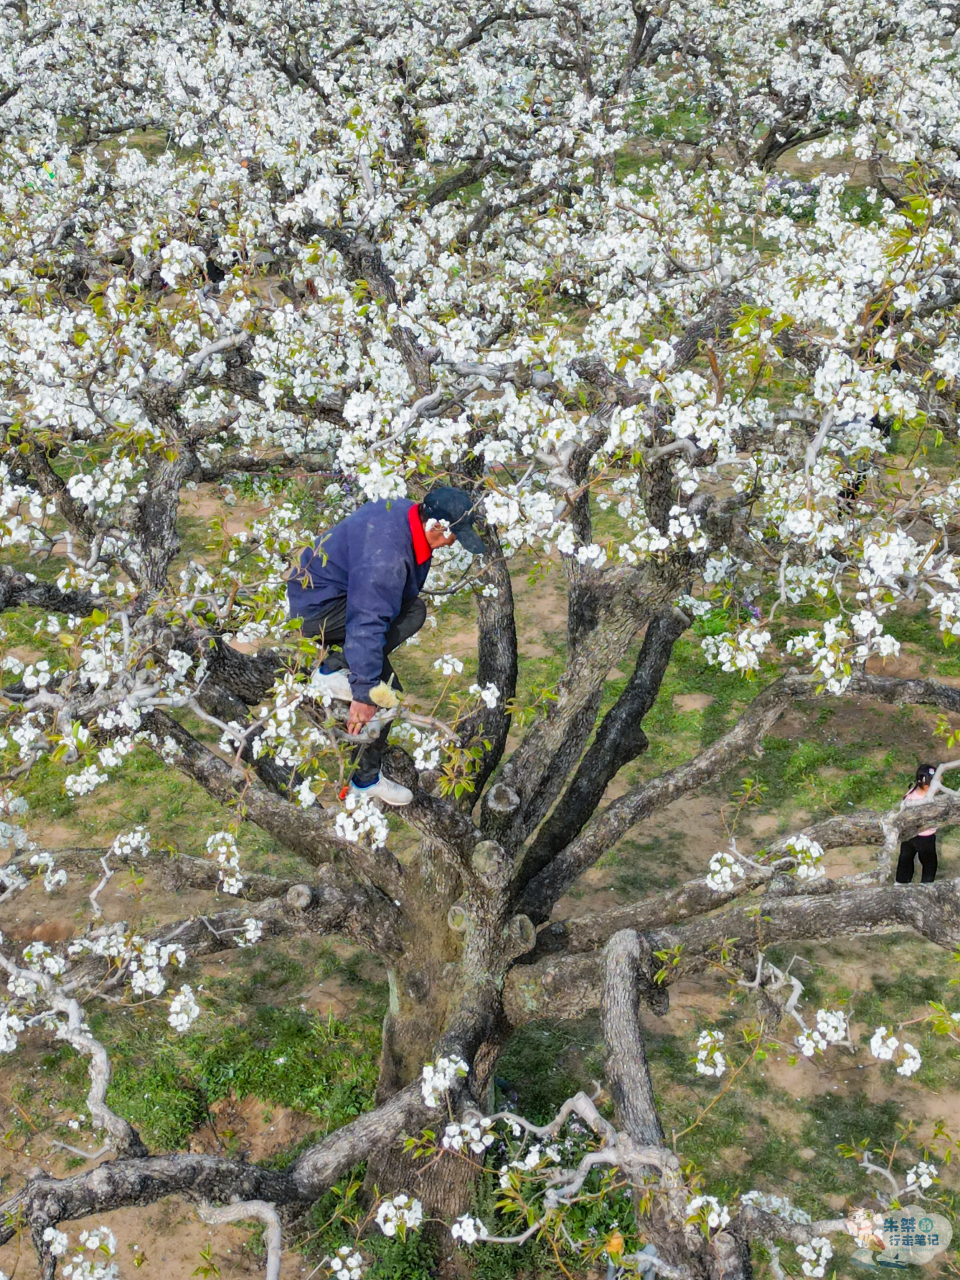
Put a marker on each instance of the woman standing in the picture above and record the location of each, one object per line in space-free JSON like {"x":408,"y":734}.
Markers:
{"x":924,"y":842}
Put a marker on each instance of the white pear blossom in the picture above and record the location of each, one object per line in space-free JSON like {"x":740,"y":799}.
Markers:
{"x":489,"y":694}
{"x":448,"y":665}
{"x":831,"y":1028}
{"x":10,"y":1025}
{"x":710,"y":1060}
{"x":130,"y":843}
{"x":815,"y":1256}
{"x":57,"y":1242}
{"x":740,"y":652}
{"x":224,"y":848}
{"x":911,"y":1060}
{"x":717,"y":1215}
{"x":724,"y":872}
{"x":53,"y":879}
{"x":468,"y":1229}
{"x":809,"y":857}
{"x":360,"y":819}
{"x":475,"y":1134}
{"x":883,"y":1046}
{"x":440,"y":1076}
{"x":921,"y":1175}
{"x":346,"y":1264}
{"x":102,"y":1244}
{"x":780,"y":1205}
{"x":252,"y":933}
{"x":401,"y":1210}
{"x":184,"y":1009}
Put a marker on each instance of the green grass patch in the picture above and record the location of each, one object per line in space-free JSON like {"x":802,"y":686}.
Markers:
{"x":547,"y":1062}
{"x":165,"y":1084}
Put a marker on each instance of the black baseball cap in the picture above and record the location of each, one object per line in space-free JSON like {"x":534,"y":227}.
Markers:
{"x":455,"y":508}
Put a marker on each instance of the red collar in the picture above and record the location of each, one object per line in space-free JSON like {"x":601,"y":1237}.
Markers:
{"x":421,"y":547}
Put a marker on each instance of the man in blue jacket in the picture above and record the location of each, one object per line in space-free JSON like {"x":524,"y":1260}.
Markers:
{"x":359,"y":588}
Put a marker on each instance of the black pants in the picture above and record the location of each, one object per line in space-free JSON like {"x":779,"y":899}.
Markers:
{"x":331,"y":627}
{"x":926,"y":847}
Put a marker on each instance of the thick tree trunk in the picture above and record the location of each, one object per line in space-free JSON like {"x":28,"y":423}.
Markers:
{"x":425,"y":999}
{"x":444,"y":1185}
{"x":446,"y":997}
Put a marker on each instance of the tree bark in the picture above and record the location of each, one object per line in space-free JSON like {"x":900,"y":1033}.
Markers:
{"x":628,"y":982}
{"x":605,"y":829}
{"x":568,"y":986}
{"x":619,"y":738}
{"x":305,"y":831}
{"x":497,"y":661}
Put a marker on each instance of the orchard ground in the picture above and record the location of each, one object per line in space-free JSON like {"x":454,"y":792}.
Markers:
{"x":297,"y":1022}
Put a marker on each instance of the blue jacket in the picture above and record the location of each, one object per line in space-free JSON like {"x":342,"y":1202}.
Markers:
{"x":370,"y":558}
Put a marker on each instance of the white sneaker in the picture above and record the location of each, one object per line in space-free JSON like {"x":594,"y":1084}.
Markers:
{"x":386,"y":790}
{"x":336,"y":683}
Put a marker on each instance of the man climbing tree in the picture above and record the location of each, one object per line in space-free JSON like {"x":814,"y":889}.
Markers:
{"x":359,"y":588}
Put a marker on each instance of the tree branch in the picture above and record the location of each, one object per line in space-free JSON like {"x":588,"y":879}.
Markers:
{"x":619,"y":739}
{"x":305,"y":831}
{"x":628,"y":980}
{"x":869,"y":827}
{"x":18,"y":589}
{"x":607,"y":828}
{"x":74,"y":1031}
{"x":115,"y":1184}
{"x":497,"y":659}
{"x":174,"y":871}
{"x":694,"y":898}
{"x":747,"y":734}
{"x":568,"y":987}
{"x":260,"y":1210}
{"x":537,"y":769}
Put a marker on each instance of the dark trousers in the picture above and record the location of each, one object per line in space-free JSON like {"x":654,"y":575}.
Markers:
{"x":926,"y":847}
{"x":331,"y":627}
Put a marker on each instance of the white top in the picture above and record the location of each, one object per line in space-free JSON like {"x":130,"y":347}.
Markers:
{"x":911,"y":800}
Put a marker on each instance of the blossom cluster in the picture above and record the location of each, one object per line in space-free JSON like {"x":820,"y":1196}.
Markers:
{"x":740,"y":652}
{"x":489,"y":695}
{"x":831,"y":1028}
{"x":468,"y":1229}
{"x":809,"y":855}
{"x":448,"y":665}
{"x":724,"y":872}
{"x":53,"y":878}
{"x":815,"y":1256}
{"x":130,"y":843}
{"x":710,"y":1060}
{"x":780,"y":1205}
{"x":401,"y":1213}
{"x":922,"y":1175}
{"x":885,"y":1048}
{"x":438,"y":1077}
{"x":143,"y":960}
{"x":184,"y":1010}
{"x":224,"y":847}
{"x":708,"y":1208}
{"x":101,"y":1243}
{"x":360,"y":819}
{"x":346,"y":1264}
{"x":252,"y":933}
{"x":474,"y":1133}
